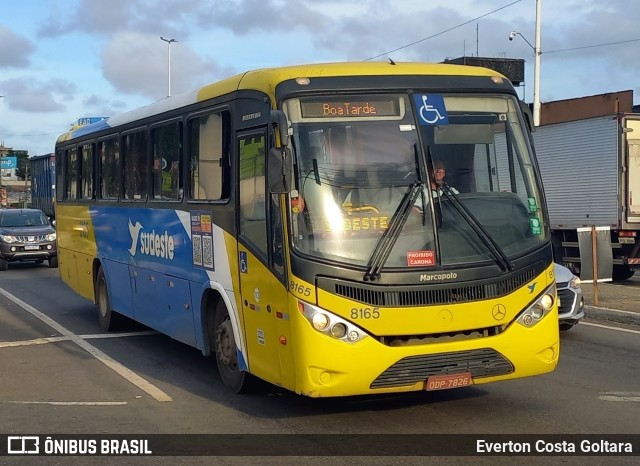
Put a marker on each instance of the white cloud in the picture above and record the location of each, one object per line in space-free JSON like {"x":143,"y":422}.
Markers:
{"x":136,"y":63}
{"x":14,"y":49}
{"x":34,"y":96}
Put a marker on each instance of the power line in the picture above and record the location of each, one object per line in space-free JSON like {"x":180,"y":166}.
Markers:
{"x":592,"y":46}
{"x":445,"y":31}
{"x":13,"y":135}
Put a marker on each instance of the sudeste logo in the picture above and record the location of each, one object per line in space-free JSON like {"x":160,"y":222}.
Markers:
{"x":151,"y":244}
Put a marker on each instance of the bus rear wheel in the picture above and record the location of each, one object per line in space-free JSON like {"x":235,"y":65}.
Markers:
{"x":226,"y":352}
{"x":622,"y":272}
{"x":109,"y":319}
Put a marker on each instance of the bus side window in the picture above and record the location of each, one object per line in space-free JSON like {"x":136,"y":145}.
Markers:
{"x":109,"y":159}
{"x":167,"y":182}
{"x":253,"y":222}
{"x":208,"y":158}
{"x":86,"y":166}
{"x":135,"y":166}
{"x":71,"y":175}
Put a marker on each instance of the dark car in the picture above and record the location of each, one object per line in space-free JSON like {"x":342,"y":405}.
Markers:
{"x":26,"y":235}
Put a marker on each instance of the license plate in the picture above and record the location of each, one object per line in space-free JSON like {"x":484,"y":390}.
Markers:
{"x":31,"y":248}
{"x":625,"y":240}
{"x":444,"y":382}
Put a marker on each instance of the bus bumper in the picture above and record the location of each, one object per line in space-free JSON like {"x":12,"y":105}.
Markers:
{"x":326,"y":367}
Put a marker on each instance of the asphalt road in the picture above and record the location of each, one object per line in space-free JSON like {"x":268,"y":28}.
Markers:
{"x":61,"y":375}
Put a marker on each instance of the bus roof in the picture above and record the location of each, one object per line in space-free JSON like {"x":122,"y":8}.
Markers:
{"x":266,"y":79}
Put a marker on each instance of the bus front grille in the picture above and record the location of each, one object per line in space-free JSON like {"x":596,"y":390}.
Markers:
{"x":424,"y":295}
{"x":485,"y":362}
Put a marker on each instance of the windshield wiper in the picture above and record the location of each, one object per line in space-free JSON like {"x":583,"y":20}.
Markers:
{"x":501,"y":258}
{"x":392,"y":233}
{"x":316,"y":173}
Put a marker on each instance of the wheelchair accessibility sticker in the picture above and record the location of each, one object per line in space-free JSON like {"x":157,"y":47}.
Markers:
{"x":244,"y":268}
{"x":431,"y":109}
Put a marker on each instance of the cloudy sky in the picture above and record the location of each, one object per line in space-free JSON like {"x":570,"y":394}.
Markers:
{"x":65,"y":59}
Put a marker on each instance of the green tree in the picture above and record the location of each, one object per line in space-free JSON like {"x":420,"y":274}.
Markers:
{"x":21,"y":168}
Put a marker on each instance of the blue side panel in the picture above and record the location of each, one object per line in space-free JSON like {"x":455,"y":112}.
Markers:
{"x":149,"y":257}
{"x":164,"y":303}
{"x":198,"y":324}
{"x":152,"y":239}
{"x":117,"y":276}
{"x":92,"y":128}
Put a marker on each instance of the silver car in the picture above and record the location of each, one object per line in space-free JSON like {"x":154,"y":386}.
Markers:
{"x":570,"y":300}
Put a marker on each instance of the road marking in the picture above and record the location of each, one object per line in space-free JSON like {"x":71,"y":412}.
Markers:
{"x":619,"y":329}
{"x":36,"y":341}
{"x":620,"y":396}
{"x":93,"y":336}
{"x":67,"y":403}
{"x":118,"y":335}
{"x":619,"y":311}
{"x":120,"y":369}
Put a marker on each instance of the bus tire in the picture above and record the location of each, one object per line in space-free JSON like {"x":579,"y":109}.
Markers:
{"x":109,"y":319}
{"x":621,"y":273}
{"x":226,"y":352}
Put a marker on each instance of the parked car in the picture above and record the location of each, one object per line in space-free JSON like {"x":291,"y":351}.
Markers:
{"x":26,"y":235}
{"x":570,"y":300}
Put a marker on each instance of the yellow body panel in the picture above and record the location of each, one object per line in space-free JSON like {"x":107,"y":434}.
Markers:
{"x":441,"y":318}
{"x":328,"y":367}
{"x":76,"y":248}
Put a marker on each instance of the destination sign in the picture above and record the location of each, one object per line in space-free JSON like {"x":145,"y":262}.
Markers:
{"x":349,"y":108}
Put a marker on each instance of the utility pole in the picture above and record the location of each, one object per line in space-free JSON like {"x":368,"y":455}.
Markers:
{"x":169,"y":42}
{"x":3,"y":192}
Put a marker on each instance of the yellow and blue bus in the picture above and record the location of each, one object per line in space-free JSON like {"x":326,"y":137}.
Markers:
{"x":289,"y":222}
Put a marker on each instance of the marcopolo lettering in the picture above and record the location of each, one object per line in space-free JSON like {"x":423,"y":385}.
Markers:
{"x":438,"y":277}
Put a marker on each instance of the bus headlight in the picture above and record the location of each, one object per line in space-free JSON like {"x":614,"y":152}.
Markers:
{"x":540,"y":308}
{"x":338,"y":330}
{"x":320,"y":321}
{"x":330,"y":324}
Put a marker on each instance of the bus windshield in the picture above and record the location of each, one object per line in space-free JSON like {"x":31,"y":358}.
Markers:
{"x":358,"y":158}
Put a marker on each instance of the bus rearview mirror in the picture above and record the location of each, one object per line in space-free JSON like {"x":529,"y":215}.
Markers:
{"x":279,"y":170}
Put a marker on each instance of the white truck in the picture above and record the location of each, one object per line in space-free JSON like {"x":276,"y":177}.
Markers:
{"x":591,"y":173}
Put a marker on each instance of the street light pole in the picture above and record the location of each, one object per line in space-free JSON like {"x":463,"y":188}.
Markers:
{"x":169,"y":42}
{"x":536,"y":67}
{"x":536,"y":64}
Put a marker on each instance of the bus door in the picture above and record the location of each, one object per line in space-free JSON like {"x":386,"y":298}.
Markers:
{"x":264,"y":296}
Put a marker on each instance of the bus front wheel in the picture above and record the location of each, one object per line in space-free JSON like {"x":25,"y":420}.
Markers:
{"x":109,"y":319}
{"x":226,"y":352}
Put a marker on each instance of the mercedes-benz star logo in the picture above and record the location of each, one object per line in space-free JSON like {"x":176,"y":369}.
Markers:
{"x":499,"y":311}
